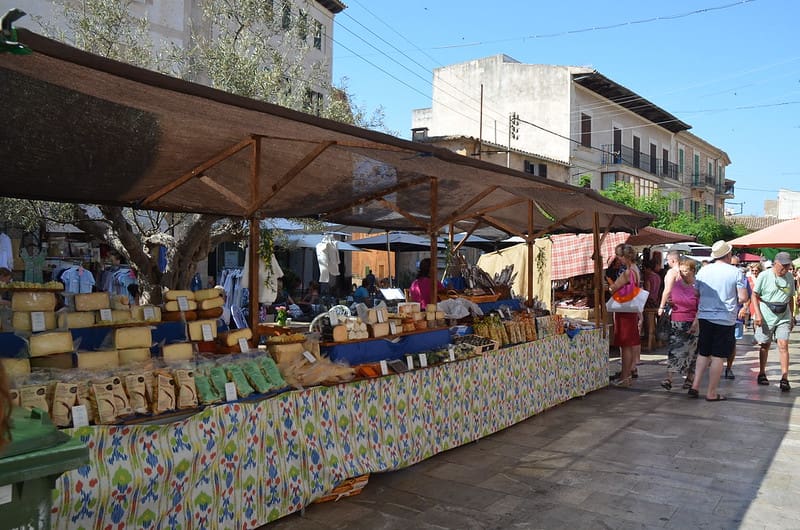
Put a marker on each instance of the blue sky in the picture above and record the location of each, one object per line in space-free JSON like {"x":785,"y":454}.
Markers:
{"x":731,"y":70}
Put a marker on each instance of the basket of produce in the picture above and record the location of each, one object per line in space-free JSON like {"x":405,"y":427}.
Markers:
{"x":480,"y":345}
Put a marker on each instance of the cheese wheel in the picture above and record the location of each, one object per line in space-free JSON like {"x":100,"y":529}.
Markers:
{"x":33,"y":301}
{"x":206,"y":294}
{"x":440,"y":315}
{"x":210,"y":313}
{"x":180,"y":351}
{"x":173,"y":295}
{"x":61,"y":361}
{"x":21,"y":320}
{"x":211,"y":303}
{"x":174,"y":316}
{"x":50,"y":342}
{"x":117,"y":315}
{"x":430,"y":308}
{"x":76,"y":319}
{"x":120,"y":301}
{"x":92,"y":301}
{"x":340,"y":333}
{"x":379,"y":329}
{"x":175,"y":306}
{"x":16,"y":367}
{"x":93,"y":360}
{"x":133,"y":355}
{"x":196,"y":329}
{"x":231,"y":338}
{"x":139,"y":337}
{"x":138,"y":313}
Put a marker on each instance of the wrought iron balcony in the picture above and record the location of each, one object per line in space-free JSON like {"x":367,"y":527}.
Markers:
{"x":627,"y":156}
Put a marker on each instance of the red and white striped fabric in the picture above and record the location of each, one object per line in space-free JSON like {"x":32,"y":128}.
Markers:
{"x":572,"y":253}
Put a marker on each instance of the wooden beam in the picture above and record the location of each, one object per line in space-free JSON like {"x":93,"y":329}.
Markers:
{"x":225,"y":192}
{"x":197,"y":171}
{"x":599,"y":306}
{"x":255,"y":170}
{"x":433,"y":230}
{"x":501,"y":226}
{"x":291,"y":174}
{"x":489,"y":209}
{"x":379,"y":194}
{"x":452,"y":216}
{"x":558,"y":223}
{"x":404,"y":213}
{"x":529,"y":242}
{"x":252,"y":271}
{"x":469,"y":233}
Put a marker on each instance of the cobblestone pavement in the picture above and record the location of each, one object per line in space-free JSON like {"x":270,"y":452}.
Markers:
{"x":634,"y":458}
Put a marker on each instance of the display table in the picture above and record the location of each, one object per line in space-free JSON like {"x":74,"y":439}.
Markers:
{"x":244,"y":464}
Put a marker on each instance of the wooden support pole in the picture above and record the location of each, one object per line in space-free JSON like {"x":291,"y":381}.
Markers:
{"x":255,"y":282}
{"x":434,"y":234}
{"x":529,"y":240}
{"x":599,"y":306}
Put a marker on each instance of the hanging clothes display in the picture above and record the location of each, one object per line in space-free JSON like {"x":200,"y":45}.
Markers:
{"x":6,"y":252}
{"x":76,"y":280}
{"x":34,"y":261}
{"x":328,"y":258}
{"x":268,"y":287}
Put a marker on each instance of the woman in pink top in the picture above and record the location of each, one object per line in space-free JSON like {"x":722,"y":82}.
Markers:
{"x":684,"y":298}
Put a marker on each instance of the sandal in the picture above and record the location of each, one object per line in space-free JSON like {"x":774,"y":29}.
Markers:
{"x":762,"y":379}
{"x":623,"y":383}
{"x":666,"y":384}
{"x":785,"y":385}
{"x":687,"y":384}
{"x":635,"y":374}
{"x":717,"y":398}
{"x":693,"y":394}
{"x":615,"y":376}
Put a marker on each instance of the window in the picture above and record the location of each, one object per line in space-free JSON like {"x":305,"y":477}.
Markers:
{"x":313,"y":102}
{"x":665,"y":162}
{"x":681,"y":160}
{"x":617,"y":139}
{"x":318,"y":34}
{"x":653,"y":158}
{"x":637,"y":147}
{"x":586,"y":130}
{"x":286,"y":18}
{"x":540,"y":170}
{"x":302,"y":25}
{"x":419,"y":134}
{"x":696,"y":165}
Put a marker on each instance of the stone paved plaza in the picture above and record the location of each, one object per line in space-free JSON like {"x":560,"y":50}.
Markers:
{"x":633,"y":458}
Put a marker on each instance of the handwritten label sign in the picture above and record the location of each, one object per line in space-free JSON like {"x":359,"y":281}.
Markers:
{"x":105,"y":315}
{"x":393,"y":327}
{"x":243,"y":346}
{"x":381,"y":317}
{"x":309,"y":356}
{"x":451,"y":351}
{"x":410,"y":362}
{"x":230,"y":391}
{"x":384,"y":368}
{"x":149,"y":313}
{"x":183,"y":303}
{"x":208,"y":335}
{"x":333,"y":317}
{"x":423,"y":360}
{"x":80,"y":418}
{"x":37,"y":321}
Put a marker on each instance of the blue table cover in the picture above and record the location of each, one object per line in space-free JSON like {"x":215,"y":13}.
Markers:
{"x":370,"y":351}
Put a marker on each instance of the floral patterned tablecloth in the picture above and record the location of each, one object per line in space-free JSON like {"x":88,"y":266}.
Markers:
{"x":240,"y":465}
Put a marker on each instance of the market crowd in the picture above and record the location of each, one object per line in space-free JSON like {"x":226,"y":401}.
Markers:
{"x":703,"y":311}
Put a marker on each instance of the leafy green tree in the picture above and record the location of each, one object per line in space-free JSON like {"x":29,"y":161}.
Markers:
{"x":706,"y":229}
{"x":240,"y":46}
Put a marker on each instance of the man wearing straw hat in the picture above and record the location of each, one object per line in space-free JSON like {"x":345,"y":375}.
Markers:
{"x":722,"y":288}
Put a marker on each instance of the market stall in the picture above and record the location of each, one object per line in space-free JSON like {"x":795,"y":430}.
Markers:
{"x":201,"y":150}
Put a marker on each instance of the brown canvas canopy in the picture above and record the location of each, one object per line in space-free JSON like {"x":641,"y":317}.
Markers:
{"x":84,"y":129}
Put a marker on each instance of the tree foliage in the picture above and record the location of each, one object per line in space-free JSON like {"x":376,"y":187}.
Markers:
{"x":706,"y":228}
{"x":240,"y":46}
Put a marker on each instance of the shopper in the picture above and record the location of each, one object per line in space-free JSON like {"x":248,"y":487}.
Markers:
{"x":755,"y":270}
{"x":626,"y":325}
{"x":774,"y":315}
{"x":722,"y":288}
{"x":741,"y":317}
{"x":683,"y":298}
{"x":652,"y":283}
{"x":420,"y":290}
{"x":672,"y":274}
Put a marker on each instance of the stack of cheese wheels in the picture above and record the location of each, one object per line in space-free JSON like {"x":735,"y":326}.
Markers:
{"x":179,"y":305}
{"x":209,"y":303}
{"x":31,"y":307}
{"x":146,"y":313}
{"x":132,"y":345}
{"x":51,"y":349}
{"x":229,"y":341}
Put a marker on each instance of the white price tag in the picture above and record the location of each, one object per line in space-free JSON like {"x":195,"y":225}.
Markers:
{"x":230,"y":391}
{"x":80,"y":418}
{"x":37,"y":321}
{"x":392,"y":328}
{"x":381,"y":317}
{"x":6,"y":493}
{"x":410,"y":362}
{"x":149,"y":313}
{"x":451,"y":352}
{"x":243,"y":346}
{"x":105,"y":315}
{"x":183,"y":303}
{"x":334,"y":318}
{"x":423,"y":360}
{"x":208,"y":336}
{"x":309,"y":356}
{"x":384,"y":368}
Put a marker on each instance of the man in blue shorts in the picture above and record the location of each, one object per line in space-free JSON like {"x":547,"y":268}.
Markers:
{"x":722,"y":288}
{"x":773,"y":294}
